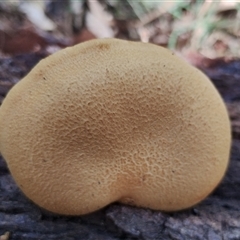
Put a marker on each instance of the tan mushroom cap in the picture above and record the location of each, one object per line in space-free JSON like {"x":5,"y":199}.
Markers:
{"x":112,"y":120}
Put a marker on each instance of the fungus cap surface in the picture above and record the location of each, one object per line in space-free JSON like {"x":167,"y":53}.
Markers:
{"x":111,"y":120}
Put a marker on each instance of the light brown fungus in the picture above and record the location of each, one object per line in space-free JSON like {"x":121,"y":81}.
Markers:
{"x":111,"y":120}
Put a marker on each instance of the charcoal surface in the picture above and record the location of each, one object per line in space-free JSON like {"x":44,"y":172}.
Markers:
{"x":216,"y":218}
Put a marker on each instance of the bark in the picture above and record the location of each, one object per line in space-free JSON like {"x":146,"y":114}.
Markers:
{"x":216,"y":218}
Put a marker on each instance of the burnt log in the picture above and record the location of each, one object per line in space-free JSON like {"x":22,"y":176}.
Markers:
{"x":216,"y":218}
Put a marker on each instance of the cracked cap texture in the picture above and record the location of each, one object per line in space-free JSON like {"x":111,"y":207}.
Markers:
{"x":111,"y":120}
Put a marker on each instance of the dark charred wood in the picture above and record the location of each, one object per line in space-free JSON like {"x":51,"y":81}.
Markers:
{"x":216,"y":218}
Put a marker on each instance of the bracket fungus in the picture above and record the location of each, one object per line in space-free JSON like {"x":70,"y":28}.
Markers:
{"x":111,"y":120}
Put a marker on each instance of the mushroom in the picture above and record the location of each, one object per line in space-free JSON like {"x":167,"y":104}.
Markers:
{"x":115,"y":121}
